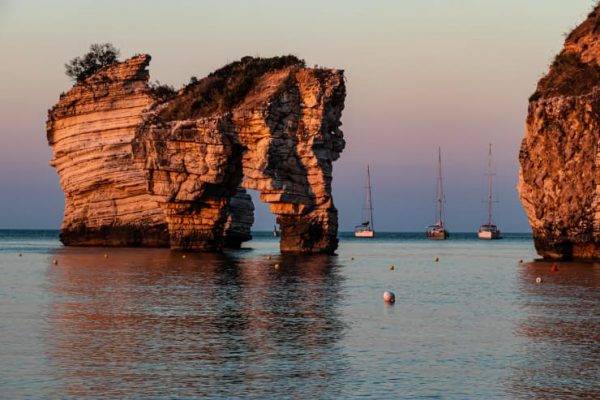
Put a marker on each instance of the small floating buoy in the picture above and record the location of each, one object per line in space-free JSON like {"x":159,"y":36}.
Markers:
{"x":538,"y":280}
{"x":554,"y":268}
{"x":389,"y":297}
{"x":54,"y":262}
{"x":183,"y":256}
{"x":437,"y":259}
{"x":392,"y":267}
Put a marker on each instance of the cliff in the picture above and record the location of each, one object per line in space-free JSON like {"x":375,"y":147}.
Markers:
{"x":139,"y":170}
{"x":558,"y":180}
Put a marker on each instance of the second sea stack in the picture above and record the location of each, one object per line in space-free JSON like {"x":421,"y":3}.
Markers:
{"x":559,"y":177}
{"x":139,"y":169}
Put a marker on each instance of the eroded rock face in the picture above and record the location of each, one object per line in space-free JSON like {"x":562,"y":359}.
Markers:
{"x":141,"y":171}
{"x":558,"y":180}
{"x":91,"y":130}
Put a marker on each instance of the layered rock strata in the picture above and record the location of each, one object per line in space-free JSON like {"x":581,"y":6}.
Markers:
{"x":141,"y":171}
{"x":559,"y":176}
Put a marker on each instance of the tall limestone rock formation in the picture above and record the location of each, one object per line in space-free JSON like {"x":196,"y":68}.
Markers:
{"x":559,"y":180}
{"x":90,"y":131}
{"x":139,"y":170}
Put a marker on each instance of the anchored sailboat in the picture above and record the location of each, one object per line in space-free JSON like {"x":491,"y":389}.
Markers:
{"x":438,"y":230}
{"x":366,"y":230}
{"x":489,"y":231}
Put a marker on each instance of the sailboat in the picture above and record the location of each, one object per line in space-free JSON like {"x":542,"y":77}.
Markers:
{"x":438,"y":230}
{"x":276,"y":231}
{"x":366,"y":230}
{"x":489,"y":231}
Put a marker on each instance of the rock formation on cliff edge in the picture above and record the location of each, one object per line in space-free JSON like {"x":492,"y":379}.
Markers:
{"x":559,"y":176}
{"x":141,"y":170}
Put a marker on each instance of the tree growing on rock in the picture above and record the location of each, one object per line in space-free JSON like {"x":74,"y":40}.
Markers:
{"x":99,"y":56}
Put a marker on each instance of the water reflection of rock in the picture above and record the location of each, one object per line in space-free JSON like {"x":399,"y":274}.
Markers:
{"x":152,"y":322}
{"x":560,"y":328}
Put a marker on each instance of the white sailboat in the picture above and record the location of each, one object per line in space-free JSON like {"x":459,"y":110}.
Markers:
{"x":438,"y":231}
{"x":366,"y":229}
{"x":489,"y":231}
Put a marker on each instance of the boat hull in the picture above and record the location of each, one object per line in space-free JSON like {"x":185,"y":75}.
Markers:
{"x":438,"y":235}
{"x":364,"y":234}
{"x":488,"y":235}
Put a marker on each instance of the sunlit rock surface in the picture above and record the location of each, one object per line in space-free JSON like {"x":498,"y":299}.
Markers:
{"x":558,"y":180}
{"x":142,"y":171}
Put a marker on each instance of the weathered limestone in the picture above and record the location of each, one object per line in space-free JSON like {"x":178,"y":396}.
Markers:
{"x":559,"y":177}
{"x":141,"y":171}
{"x":90,"y":131}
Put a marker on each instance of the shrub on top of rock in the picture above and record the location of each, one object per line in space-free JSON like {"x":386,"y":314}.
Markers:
{"x":162,"y":91}
{"x":99,"y":56}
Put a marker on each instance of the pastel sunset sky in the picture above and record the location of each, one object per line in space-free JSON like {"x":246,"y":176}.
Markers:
{"x":420,"y":74}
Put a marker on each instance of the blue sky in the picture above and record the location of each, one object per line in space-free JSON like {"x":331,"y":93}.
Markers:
{"x":420,"y":74}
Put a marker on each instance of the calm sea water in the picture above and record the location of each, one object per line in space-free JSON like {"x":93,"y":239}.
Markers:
{"x":149,"y":323}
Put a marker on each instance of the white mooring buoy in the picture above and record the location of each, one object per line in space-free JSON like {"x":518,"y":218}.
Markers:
{"x":389,"y":297}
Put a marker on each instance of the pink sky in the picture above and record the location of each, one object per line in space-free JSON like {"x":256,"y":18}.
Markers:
{"x":420,"y":74}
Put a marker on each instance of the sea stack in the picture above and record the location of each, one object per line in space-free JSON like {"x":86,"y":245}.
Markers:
{"x":559,"y":176}
{"x":142,"y":169}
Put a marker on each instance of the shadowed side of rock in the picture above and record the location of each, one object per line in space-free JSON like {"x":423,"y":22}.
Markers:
{"x":558,"y":179}
{"x":289,"y":125}
{"x":192,"y":170}
{"x":240,"y":220}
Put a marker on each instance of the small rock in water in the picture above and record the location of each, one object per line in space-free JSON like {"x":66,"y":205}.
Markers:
{"x":276,"y":266}
{"x":352,"y":258}
{"x":105,"y":255}
{"x":268,"y":258}
{"x":54,"y":262}
{"x":554,"y":268}
{"x":520,"y":261}
{"x":392,"y":267}
{"x":538,"y":280}
{"x":437,"y":259}
{"x":20,"y":254}
{"x":389,"y":297}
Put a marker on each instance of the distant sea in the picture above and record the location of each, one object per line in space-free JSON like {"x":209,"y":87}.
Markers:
{"x":153,"y":323}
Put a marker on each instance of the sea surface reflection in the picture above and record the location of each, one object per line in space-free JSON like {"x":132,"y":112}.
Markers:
{"x":560,"y":356}
{"x":144,"y":323}
{"x":152,"y":322}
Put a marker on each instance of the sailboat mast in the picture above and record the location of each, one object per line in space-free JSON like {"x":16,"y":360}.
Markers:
{"x":369,"y":199}
{"x":440,"y":190}
{"x":490,"y":187}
